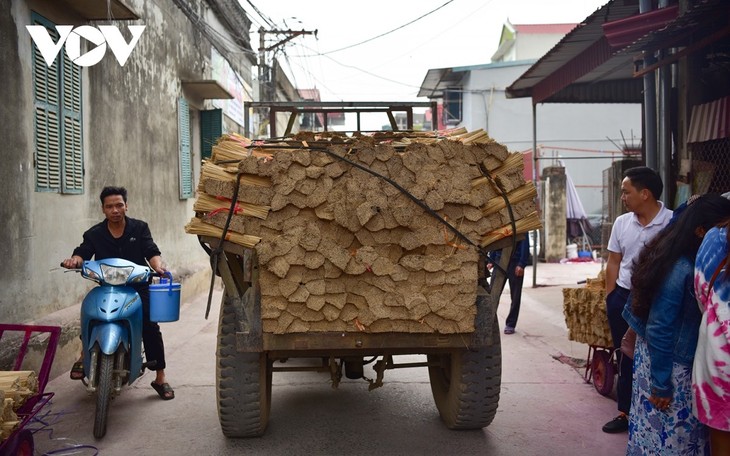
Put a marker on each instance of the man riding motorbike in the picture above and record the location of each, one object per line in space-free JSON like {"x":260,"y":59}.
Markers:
{"x":119,"y":236}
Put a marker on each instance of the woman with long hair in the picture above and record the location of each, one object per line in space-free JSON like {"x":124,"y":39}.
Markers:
{"x":664,"y":314}
{"x":711,"y":370}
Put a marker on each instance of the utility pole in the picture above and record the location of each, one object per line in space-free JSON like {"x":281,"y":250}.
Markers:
{"x":267,"y":73}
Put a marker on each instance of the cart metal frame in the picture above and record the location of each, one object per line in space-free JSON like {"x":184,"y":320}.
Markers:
{"x":26,"y":412}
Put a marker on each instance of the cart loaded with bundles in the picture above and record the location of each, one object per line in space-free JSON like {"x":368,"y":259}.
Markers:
{"x":587,"y":322}
{"x":352,"y":249}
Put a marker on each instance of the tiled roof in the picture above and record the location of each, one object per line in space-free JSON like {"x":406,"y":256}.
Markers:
{"x":561,"y":29}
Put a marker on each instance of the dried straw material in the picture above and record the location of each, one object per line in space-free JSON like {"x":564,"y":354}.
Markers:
{"x":454,"y":132}
{"x":514,"y":162}
{"x":526,"y":191}
{"x":198,"y":227}
{"x":208,"y":204}
{"x":529,"y":223}
{"x":473,"y":137}
{"x":585,"y":313}
{"x":229,"y":173}
{"x":343,"y":249}
{"x":15,"y":389}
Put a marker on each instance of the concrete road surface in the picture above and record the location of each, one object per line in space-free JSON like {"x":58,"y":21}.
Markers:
{"x":546,"y":408}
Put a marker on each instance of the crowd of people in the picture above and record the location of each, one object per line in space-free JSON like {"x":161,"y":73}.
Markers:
{"x":668,"y":293}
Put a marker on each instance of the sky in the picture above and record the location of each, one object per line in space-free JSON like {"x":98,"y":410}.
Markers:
{"x":392,"y":67}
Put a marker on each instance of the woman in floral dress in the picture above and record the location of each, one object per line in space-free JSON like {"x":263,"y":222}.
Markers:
{"x":711,"y":371}
{"x":664,"y":313}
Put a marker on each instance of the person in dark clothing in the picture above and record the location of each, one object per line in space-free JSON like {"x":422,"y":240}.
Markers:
{"x":515,"y":277}
{"x":122,"y":237}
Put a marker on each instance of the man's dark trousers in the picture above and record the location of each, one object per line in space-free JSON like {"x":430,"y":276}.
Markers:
{"x":515,"y":291}
{"x":615,"y":302}
{"x":154,"y":349}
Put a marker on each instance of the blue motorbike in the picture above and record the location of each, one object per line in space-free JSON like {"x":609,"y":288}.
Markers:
{"x":111,"y":331}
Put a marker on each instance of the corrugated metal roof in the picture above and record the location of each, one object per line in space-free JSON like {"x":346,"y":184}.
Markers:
{"x":626,"y":31}
{"x":710,"y":121}
{"x":705,"y":19}
{"x":437,"y":80}
{"x":574,"y":61}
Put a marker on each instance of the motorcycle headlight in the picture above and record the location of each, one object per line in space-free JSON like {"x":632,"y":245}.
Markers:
{"x":114,"y":275}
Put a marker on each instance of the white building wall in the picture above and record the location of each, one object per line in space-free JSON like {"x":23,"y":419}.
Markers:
{"x":528,"y":46}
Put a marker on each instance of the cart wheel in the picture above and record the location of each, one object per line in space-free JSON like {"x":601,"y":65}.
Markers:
{"x":20,"y":445}
{"x":603,"y":371}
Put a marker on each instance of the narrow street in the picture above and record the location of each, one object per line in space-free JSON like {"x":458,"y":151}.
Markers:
{"x":545,"y":408}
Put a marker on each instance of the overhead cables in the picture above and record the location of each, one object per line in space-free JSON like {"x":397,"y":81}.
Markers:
{"x":388,"y":32}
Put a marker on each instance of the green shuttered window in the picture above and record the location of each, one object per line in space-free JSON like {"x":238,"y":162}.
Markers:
{"x":186,"y":169}
{"x":58,"y":128}
{"x":211,"y":128}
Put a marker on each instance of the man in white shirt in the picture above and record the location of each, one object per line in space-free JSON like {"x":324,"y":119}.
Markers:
{"x":647,"y":216}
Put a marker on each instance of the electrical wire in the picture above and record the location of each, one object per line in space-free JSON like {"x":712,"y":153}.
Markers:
{"x":263,"y":17}
{"x":293,"y":76}
{"x":363,"y":71}
{"x":371,"y":74}
{"x":318,"y":81}
{"x":317,"y":53}
{"x":437,"y":35}
{"x":217,"y":39}
{"x":388,"y":32}
{"x":298,"y":47}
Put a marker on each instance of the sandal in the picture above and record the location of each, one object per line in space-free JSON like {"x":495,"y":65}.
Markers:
{"x":77,"y":371}
{"x":165,"y":391}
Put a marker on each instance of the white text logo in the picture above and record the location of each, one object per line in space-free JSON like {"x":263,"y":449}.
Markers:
{"x":105,"y":34}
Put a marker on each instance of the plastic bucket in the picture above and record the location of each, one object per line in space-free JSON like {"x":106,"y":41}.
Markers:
{"x":585,"y":254}
{"x":165,"y":300}
{"x":572,"y":251}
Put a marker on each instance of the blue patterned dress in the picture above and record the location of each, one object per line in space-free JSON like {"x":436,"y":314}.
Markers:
{"x":675,"y":431}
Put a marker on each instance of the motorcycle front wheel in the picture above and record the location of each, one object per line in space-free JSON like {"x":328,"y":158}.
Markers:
{"x":104,"y":387}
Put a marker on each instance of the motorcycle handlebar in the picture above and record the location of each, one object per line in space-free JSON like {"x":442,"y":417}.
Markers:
{"x":153,"y":273}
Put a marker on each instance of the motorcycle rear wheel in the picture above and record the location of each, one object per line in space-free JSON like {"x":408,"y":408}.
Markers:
{"x":103,"y":393}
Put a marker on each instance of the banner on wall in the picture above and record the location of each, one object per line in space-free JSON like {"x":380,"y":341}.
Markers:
{"x":235,"y":84}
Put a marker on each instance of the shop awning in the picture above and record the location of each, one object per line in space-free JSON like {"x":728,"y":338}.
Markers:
{"x":710,"y":121}
{"x":581,"y":68}
{"x":437,"y":80}
{"x":623,"y":32}
{"x":584,"y":67}
{"x":207,"y":90}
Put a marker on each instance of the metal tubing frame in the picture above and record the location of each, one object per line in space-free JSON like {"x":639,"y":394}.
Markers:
{"x":327,"y":107}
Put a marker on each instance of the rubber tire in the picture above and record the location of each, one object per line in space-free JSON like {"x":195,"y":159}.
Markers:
{"x":20,"y":445}
{"x":466,"y":385}
{"x":602,"y":371}
{"x":243,"y":380}
{"x":103,"y":393}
